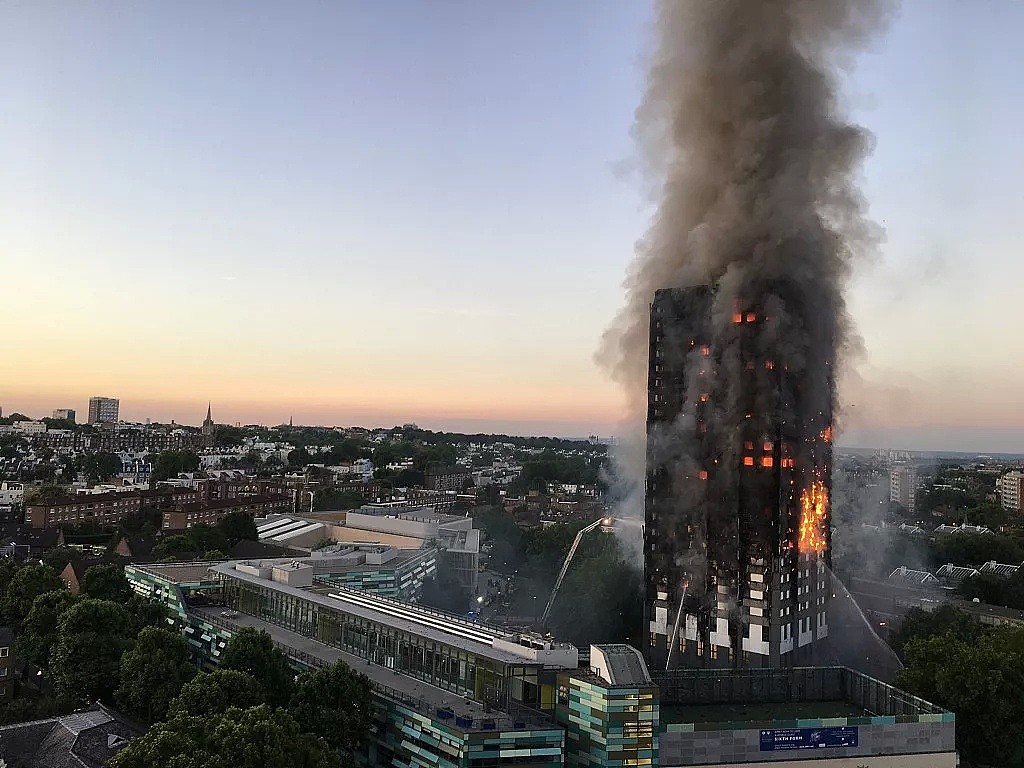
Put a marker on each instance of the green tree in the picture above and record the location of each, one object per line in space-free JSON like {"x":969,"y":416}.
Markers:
{"x":507,"y":539}
{"x":146,"y":613}
{"x":259,"y":737}
{"x":153,"y":672}
{"x":600,"y":598}
{"x":45,"y":494}
{"x":85,"y":662}
{"x":982,"y":682}
{"x":21,"y":710}
{"x":330,"y":499}
{"x":12,"y":446}
{"x":26,"y":585}
{"x":334,"y":704}
{"x":440,"y":455}
{"x":960,"y":549}
{"x":35,"y":642}
{"x":106,"y":582}
{"x":236,"y":527}
{"x":947,"y":619}
{"x":995,"y":590}
{"x":58,"y":557}
{"x":409,"y":478}
{"x":173,"y":545}
{"x":255,"y":654}
{"x":227,"y":435}
{"x":100,"y":466}
{"x":346,"y":451}
{"x":58,"y":423}
{"x":203,"y":537}
{"x":213,"y":693}
{"x":484,"y":459}
{"x":169,"y":463}
{"x":300,"y":457}
{"x":9,"y":567}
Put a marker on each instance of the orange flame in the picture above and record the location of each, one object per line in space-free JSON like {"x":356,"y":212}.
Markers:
{"x":813,"y":517}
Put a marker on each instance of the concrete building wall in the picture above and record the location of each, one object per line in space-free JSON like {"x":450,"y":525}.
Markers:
{"x":30,"y":427}
{"x":933,"y":741}
{"x":944,"y":760}
{"x":395,"y":525}
{"x":903,"y":486}
{"x":1011,"y":491}
{"x":103,"y":409}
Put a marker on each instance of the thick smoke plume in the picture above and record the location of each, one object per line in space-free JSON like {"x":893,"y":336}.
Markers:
{"x":755,"y":169}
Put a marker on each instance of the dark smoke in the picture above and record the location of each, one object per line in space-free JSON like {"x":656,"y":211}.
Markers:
{"x":741,"y":127}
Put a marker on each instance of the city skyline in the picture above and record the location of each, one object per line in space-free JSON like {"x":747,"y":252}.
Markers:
{"x":306,"y":227}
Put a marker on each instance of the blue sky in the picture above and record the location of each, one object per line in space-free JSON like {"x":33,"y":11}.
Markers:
{"x":367,"y":212}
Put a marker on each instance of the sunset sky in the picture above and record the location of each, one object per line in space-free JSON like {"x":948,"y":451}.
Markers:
{"x":373,"y":213}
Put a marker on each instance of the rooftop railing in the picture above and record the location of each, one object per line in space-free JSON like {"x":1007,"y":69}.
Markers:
{"x":799,"y":684}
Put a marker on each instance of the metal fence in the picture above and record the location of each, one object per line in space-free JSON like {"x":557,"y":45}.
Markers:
{"x":799,"y":684}
{"x":883,"y":699}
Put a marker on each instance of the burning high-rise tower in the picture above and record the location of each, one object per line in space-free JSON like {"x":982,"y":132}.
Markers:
{"x":736,"y":538}
{"x":758,"y":224}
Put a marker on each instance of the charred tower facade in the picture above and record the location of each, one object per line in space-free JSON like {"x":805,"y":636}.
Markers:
{"x":737,"y":534}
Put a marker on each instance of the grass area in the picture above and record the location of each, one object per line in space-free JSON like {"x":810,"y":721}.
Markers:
{"x":761,"y":712}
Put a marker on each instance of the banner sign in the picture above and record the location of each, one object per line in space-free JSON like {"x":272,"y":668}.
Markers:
{"x":808,"y":738}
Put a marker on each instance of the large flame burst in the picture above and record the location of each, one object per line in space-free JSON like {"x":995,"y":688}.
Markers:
{"x":813,"y":517}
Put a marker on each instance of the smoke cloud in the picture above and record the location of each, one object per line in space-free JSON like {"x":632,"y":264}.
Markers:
{"x":755,"y":169}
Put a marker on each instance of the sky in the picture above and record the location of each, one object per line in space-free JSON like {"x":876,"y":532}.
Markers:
{"x":377,"y":213}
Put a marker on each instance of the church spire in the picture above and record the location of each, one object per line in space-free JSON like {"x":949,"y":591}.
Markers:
{"x":209,"y":429}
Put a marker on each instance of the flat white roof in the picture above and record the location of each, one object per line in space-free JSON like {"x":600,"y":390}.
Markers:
{"x":293,"y":532}
{"x":438,"y":626}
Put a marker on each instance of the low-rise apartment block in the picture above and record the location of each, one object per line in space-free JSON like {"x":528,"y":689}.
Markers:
{"x":453,"y":478}
{"x":105,"y":508}
{"x":211,"y":512}
{"x":29,"y":427}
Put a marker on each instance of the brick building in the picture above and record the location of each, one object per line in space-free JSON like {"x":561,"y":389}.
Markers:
{"x":186,"y":515}
{"x":131,"y":440}
{"x":106,"y":508}
{"x":452,"y":478}
{"x":240,"y":488}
